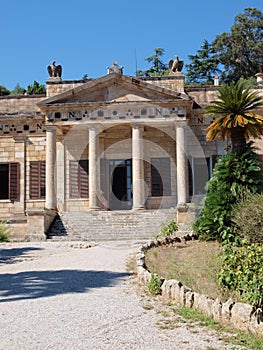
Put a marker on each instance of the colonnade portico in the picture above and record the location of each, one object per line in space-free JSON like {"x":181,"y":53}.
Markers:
{"x":137,"y":150}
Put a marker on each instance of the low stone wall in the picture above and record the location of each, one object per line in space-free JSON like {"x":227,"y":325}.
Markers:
{"x":239,"y":315}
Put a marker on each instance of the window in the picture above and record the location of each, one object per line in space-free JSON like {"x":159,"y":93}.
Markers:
{"x":79,"y":178}
{"x":37,"y":188}
{"x":160,"y":177}
{"x":9,"y":181}
{"x":201,"y":174}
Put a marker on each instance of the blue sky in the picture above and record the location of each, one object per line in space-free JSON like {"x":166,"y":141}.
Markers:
{"x":86,"y":36}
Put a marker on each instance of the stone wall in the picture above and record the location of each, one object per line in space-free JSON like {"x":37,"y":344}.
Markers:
{"x":239,"y":315}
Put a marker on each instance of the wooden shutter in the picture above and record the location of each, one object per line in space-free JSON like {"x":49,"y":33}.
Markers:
{"x":83,"y":178}
{"x":37,"y":187}
{"x":161,"y":177}
{"x":42,"y":185}
{"x":166,"y":176}
{"x":73,"y":179}
{"x":79,"y":180}
{"x":157,"y":184}
{"x":14,"y":181}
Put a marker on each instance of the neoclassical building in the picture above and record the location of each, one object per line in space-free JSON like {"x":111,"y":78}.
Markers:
{"x":115,"y":143}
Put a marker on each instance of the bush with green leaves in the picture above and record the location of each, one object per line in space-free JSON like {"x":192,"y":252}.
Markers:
{"x":242,"y":272}
{"x":247,"y":217}
{"x":155,"y":283}
{"x":169,"y":228}
{"x":233,"y":173}
{"x":4,"y":233}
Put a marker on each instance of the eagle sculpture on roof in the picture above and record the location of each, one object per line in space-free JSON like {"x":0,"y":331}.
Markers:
{"x":176,"y":65}
{"x":54,"y":71}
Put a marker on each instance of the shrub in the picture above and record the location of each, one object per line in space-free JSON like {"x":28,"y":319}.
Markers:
{"x":247,"y":217}
{"x":168,"y":229}
{"x":154,"y":285}
{"x":242,"y":271}
{"x":4,"y":233}
{"x":233,"y":173}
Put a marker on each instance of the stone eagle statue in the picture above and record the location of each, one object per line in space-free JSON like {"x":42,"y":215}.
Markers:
{"x":176,"y":65}
{"x":54,"y":71}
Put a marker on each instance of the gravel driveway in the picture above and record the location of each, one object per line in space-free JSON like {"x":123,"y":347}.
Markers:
{"x":55,"y":296}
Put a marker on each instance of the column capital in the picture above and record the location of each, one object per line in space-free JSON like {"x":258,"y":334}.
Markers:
{"x":50,"y":127}
{"x":181,"y":123}
{"x":95,"y":126}
{"x":137,"y":125}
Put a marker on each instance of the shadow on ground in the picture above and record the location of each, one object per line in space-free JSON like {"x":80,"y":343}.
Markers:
{"x":11,"y":255}
{"x":39,"y":284}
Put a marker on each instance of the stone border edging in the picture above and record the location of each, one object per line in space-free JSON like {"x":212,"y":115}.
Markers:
{"x":241,"y":316}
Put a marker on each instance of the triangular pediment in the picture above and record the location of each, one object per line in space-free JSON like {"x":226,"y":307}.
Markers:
{"x":113,"y":88}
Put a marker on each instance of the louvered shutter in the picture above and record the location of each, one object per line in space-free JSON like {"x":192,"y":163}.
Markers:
{"x":34,"y":180}
{"x":166,"y":176}
{"x":42,"y":170}
{"x":14,"y":181}
{"x":83,"y":178}
{"x":37,"y":187}
{"x":160,"y":177}
{"x":73,"y":179}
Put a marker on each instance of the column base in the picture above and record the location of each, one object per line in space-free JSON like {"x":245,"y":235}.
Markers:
{"x":142,"y":207}
{"x":95,"y":208}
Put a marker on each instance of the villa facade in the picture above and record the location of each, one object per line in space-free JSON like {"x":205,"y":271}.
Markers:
{"x":112,"y":143}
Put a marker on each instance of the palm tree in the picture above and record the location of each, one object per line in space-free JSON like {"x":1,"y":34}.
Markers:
{"x":237,"y":120}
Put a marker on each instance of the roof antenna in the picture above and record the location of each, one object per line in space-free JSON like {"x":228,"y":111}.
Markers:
{"x":136,"y":68}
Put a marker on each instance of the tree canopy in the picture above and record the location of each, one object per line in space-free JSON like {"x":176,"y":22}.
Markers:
{"x":237,"y":119}
{"x":158,"y":68}
{"x":237,"y":54}
{"x":203,"y":66}
{"x":4,"y":91}
{"x":36,"y":89}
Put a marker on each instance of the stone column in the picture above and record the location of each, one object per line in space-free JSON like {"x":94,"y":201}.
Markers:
{"x":51,"y":201}
{"x":93,"y":167}
{"x":137,"y":167}
{"x":61,"y":176}
{"x":181,"y":163}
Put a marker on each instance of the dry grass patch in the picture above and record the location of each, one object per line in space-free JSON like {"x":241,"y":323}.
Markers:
{"x":193,"y":263}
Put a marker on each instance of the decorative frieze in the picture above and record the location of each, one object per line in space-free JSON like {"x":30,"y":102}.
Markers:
{"x":21,"y":127}
{"x":113,"y":113}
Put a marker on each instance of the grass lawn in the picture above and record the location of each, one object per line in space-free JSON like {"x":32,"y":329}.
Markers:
{"x":194,"y":263}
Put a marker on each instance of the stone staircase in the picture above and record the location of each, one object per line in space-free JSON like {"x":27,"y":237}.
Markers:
{"x":109,"y":225}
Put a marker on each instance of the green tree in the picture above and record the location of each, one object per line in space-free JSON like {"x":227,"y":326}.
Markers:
{"x":36,"y":89}
{"x":237,"y":54}
{"x":158,"y":67}
{"x":203,"y":66}
{"x":237,"y":119}
{"x":18,"y":90}
{"x":234,"y":173}
{"x":4,"y":91}
{"x":240,"y":51}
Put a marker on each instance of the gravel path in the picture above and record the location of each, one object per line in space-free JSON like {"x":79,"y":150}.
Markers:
{"x":55,"y":296}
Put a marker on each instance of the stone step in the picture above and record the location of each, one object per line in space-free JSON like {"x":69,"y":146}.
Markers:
{"x":109,"y":225}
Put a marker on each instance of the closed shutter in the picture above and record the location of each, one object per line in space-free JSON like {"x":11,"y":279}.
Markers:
{"x":37,"y":188}
{"x":160,"y":177}
{"x":42,"y":169}
{"x":73,"y":179}
{"x":83,"y":178}
{"x":79,"y":179}
{"x":14,"y":181}
{"x":166,"y":176}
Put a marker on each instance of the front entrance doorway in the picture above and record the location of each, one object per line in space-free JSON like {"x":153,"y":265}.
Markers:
{"x":120,"y":184}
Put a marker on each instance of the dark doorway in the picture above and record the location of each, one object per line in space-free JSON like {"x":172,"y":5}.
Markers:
{"x":120,"y":184}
